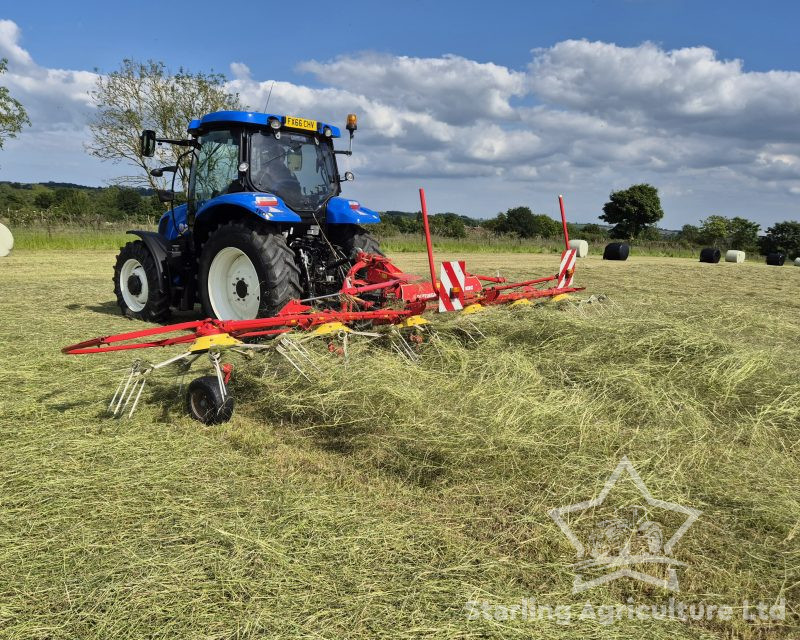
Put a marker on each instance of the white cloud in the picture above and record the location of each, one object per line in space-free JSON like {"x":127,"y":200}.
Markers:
{"x":450,"y":88}
{"x":9,"y":45}
{"x":582,"y":117}
{"x":686,"y":90}
{"x":56,"y":99}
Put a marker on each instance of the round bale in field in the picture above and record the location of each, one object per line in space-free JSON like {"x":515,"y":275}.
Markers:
{"x":711,"y":255}
{"x":776,"y":259}
{"x":797,"y":262}
{"x":6,"y":241}
{"x":616,"y":251}
{"x":732,"y":255}
{"x":581,"y":246}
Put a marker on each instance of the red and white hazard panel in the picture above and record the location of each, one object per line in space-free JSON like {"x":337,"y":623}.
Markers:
{"x":452,"y":280}
{"x":567,"y":268}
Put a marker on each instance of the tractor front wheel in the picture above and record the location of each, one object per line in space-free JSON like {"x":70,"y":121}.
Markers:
{"x":136,"y":284}
{"x":246,"y":271}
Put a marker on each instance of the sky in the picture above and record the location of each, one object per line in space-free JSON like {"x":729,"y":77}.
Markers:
{"x":486,"y":105}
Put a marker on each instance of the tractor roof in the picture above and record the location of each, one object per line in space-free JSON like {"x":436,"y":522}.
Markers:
{"x":255,"y":119}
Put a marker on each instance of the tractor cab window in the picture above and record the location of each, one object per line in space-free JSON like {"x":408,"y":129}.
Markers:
{"x":216,"y":168}
{"x":298,"y":167}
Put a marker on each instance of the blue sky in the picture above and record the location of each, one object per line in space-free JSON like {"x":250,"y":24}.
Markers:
{"x":764,"y":34}
{"x":499,"y":103}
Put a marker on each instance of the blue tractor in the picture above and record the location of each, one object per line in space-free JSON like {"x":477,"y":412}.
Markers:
{"x":264,"y":222}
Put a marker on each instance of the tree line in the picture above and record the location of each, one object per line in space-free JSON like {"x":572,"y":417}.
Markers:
{"x":26,"y":204}
{"x":635,"y":211}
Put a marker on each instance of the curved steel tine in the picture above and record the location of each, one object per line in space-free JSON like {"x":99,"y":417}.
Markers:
{"x":138,"y":395}
{"x":119,"y":398}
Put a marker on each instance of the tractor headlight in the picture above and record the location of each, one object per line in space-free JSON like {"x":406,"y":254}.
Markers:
{"x":327,"y":132}
{"x":274,"y":123}
{"x":243,"y":167}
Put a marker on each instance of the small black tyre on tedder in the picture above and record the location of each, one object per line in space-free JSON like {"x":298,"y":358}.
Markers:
{"x":205,"y":403}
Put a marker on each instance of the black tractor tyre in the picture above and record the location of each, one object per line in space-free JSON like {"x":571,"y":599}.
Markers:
{"x":353,"y":239}
{"x":141,"y":295}
{"x":278,"y":274}
{"x":204,"y":401}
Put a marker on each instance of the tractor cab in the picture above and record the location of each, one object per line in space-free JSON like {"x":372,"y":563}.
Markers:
{"x":284,"y":156}
{"x":264,"y":220}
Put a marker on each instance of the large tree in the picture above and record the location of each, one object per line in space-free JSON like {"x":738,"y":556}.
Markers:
{"x":689,"y":233}
{"x":12,"y":114}
{"x":743,"y":234}
{"x":733,"y":233}
{"x":147,"y":95}
{"x":632,"y":210}
{"x":714,"y":230}
{"x":783,"y":237}
{"x":524,"y":223}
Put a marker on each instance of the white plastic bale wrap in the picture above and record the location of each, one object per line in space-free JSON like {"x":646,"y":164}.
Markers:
{"x":734,"y":256}
{"x":6,"y":241}
{"x":581,"y":246}
{"x":797,"y":262}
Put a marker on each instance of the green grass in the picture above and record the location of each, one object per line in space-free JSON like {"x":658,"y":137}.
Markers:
{"x":73,"y":237}
{"x":377,"y":499}
{"x":112,"y":236}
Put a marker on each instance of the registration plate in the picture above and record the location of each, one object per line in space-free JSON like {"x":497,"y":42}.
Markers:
{"x":301,"y":123}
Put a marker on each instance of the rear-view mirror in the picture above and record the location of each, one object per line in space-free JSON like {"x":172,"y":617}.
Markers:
{"x":147,"y":143}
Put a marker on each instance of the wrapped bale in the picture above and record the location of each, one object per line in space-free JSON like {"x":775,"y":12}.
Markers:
{"x":734,"y":256}
{"x":776,"y":259}
{"x":6,"y":241}
{"x":710,"y":255}
{"x":616,"y":251}
{"x":581,"y":246}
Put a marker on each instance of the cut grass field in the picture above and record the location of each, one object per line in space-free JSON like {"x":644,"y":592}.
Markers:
{"x":378,"y":499}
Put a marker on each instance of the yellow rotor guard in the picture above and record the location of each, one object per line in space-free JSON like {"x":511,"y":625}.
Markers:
{"x":473,"y":308}
{"x":412,"y":321}
{"x":522,"y":302}
{"x":331,"y":328}
{"x":560,"y":297}
{"x":204,"y":343}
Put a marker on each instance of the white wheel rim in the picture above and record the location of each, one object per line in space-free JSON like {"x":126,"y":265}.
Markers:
{"x":132,"y":267}
{"x":234,"y":289}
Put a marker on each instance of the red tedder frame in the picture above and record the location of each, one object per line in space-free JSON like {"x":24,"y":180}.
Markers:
{"x":395,"y":296}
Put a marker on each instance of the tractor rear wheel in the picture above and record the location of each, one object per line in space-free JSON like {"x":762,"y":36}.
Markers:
{"x":353,"y":239}
{"x":136,"y":284}
{"x":246,"y":271}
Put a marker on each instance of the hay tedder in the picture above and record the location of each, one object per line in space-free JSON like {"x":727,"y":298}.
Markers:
{"x":376,"y":295}
{"x":277,"y":259}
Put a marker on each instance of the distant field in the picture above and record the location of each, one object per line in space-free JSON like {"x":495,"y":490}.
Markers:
{"x":378,"y":499}
{"x":112,"y":236}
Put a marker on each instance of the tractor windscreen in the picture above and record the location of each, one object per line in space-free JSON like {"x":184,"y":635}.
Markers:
{"x":297,"y":167}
